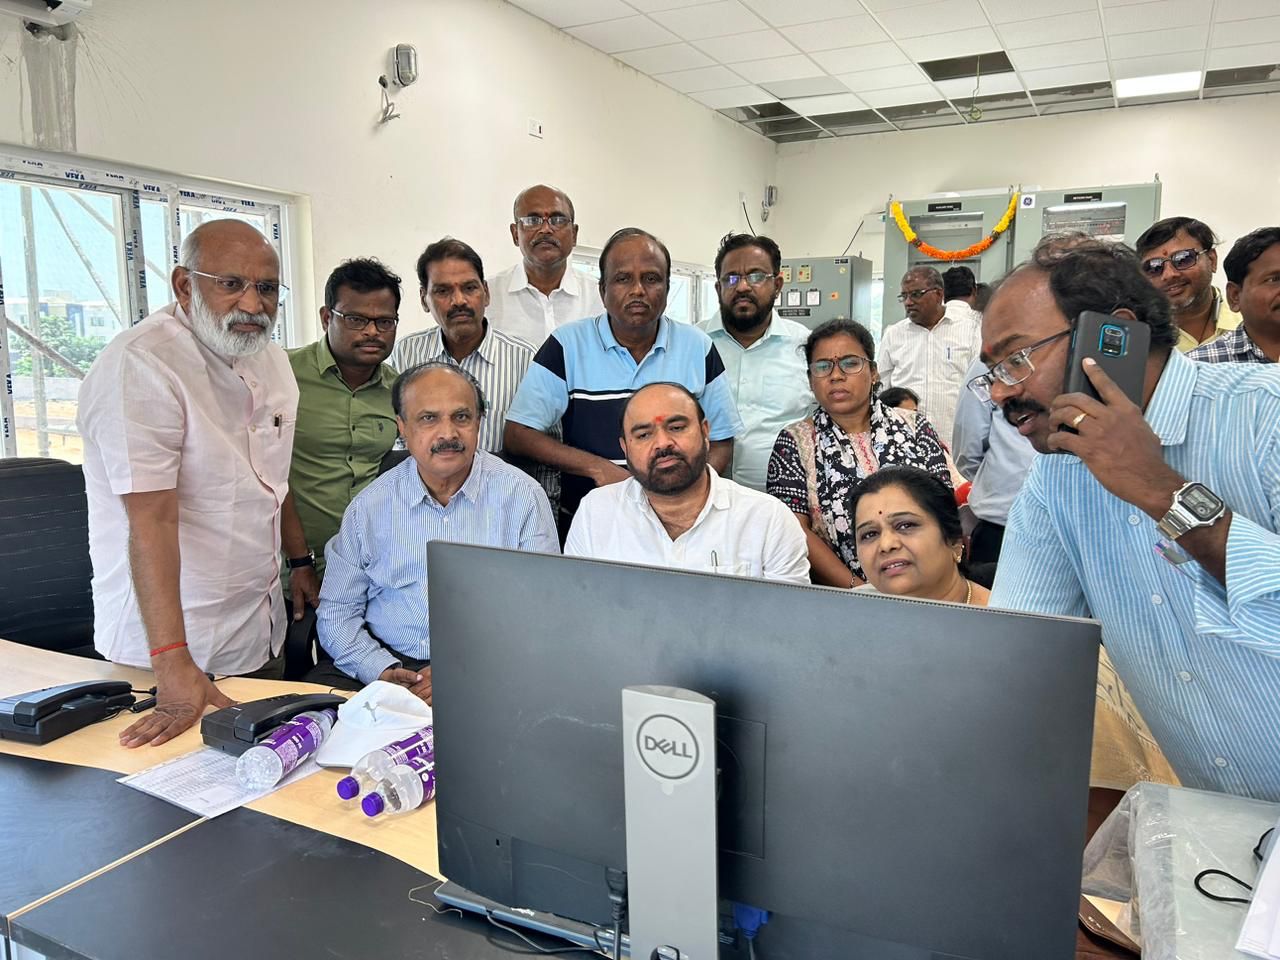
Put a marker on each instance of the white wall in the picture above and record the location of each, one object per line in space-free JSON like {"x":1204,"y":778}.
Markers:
{"x":283,"y":94}
{"x":1219,"y":161}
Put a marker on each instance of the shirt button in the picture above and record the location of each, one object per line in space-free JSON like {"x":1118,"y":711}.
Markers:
{"x":253,"y":428}
{"x":1184,"y":677}
{"x":1134,"y":520}
{"x":1220,"y":761}
{"x":1157,"y":599}
{"x":253,"y":383}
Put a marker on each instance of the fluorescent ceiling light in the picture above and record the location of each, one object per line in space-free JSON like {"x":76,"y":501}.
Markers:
{"x":1153,"y":86}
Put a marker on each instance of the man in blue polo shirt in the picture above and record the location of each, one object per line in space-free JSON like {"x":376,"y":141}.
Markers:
{"x":585,"y":371}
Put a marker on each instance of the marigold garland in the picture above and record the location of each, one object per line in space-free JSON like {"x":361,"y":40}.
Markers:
{"x":933,"y":253}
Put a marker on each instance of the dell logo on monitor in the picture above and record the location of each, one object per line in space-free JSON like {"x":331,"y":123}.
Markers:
{"x":667,"y":747}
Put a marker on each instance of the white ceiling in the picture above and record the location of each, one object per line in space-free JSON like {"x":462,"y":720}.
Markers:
{"x":812,"y":69}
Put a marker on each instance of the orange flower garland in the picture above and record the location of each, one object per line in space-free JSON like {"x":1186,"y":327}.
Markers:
{"x":933,"y":253}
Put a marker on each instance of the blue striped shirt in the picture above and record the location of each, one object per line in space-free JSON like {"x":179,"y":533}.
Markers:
{"x":1202,"y":661}
{"x":376,"y":582}
{"x":582,"y":376}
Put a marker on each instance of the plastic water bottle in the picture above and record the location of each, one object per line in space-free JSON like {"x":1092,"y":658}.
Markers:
{"x":407,"y":787}
{"x":376,"y":765}
{"x":277,"y":755}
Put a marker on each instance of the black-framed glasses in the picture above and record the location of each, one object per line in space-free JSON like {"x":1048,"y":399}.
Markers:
{"x":1012,"y":370}
{"x":849,"y":365}
{"x":756,"y":278}
{"x":271,"y":291}
{"x":532,"y":221}
{"x":914,"y":294}
{"x":357,"y":324}
{"x":1181,"y":260}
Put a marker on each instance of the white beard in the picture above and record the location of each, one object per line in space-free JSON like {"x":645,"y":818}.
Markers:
{"x":215,"y":331}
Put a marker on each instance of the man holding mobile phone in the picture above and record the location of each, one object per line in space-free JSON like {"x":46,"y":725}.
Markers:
{"x":1160,"y":520}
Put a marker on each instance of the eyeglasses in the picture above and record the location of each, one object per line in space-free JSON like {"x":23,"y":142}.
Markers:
{"x":1181,"y":260}
{"x":271,"y":291}
{"x":356,"y":323}
{"x":756,"y":278}
{"x":533,"y":220}
{"x":1012,"y":370}
{"x":914,"y":294}
{"x":849,"y":365}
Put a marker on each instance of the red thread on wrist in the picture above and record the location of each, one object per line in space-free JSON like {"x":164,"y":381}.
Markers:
{"x":173,"y":646}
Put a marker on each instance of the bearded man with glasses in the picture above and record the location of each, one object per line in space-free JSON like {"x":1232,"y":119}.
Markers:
{"x":188,"y":420}
{"x":1179,"y":259}
{"x":1160,"y":519}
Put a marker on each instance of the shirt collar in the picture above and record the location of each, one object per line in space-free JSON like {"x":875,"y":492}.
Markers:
{"x":324,"y":359}
{"x":1170,"y":406}
{"x":485,"y":349}
{"x":413,"y":491}
{"x":610,"y":342}
{"x":719,"y":497}
{"x":716,"y":325}
{"x":570,"y":284}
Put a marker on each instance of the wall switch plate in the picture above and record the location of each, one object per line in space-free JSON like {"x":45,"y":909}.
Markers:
{"x":535,"y":128}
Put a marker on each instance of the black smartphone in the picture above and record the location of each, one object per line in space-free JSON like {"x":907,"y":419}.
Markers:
{"x":1119,"y":346}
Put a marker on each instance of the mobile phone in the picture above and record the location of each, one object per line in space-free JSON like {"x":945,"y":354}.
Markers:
{"x":1120,"y":348}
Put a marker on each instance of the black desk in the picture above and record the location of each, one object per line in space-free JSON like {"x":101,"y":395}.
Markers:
{"x":60,"y":823}
{"x":250,"y":886}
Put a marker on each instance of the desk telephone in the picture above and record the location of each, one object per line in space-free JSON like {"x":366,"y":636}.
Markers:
{"x":42,"y":716}
{"x":236,"y":728}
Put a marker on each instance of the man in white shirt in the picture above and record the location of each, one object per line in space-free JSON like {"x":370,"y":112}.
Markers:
{"x":542,"y":291}
{"x":676,"y":511}
{"x":929,"y":351}
{"x":763,"y":353}
{"x":960,"y":294}
{"x":188,"y":421}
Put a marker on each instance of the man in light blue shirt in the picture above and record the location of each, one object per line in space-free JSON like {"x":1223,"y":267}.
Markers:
{"x":763,"y":353}
{"x":373,"y":616}
{"x":989,"y":451}
{"x":1161,"y":525}
{"x":583,"y":374}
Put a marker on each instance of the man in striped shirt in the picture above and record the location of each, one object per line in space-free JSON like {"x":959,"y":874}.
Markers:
{"x":454,"y":292}
{"x":373,"y":616}
{"x":1160,"y":520}
{"x":1253,"y":288}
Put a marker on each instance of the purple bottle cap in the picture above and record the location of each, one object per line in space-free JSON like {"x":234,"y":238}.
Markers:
{"x":372,"y":804}
{"x":348,"y":788}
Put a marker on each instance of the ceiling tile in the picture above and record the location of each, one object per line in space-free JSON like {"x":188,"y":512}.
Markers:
{"x":629,"y":33}
{"x":710,"y":20}
{"x":958,"y":43}
{"x":1178,"y":40}
{"x":872,"y":56}
{"x":830,"y":34}
{"x":1073,"y":93}
{"x":916,"y":93}
{"x":1250,"y":55}
{"x":1158,"y":15}
{"x":963,"y":88}
{"x":1010,"y":11}
{"x":836,"y":103}
{"x":1051,"y":30}
{"x":1059,"y":54}
{"x":1243,"y":9}
{"x":778,"y":68}
{"x":665,"y":59}
{"x":1157,"y":66}
{"x":882,"y":79}
{"x":943,"y":16}
{"x":881,"y":6}
{"x":1239,"y":32}
{"x":571,"y":13}
{"x":705,"y":78}
{"x":730,"y":97}
{"x":649,"y":6}
{"x":1066,"y":76}
{"x":746,"y":46}
{"x":782,"y":13}
{"x":812,"y":87}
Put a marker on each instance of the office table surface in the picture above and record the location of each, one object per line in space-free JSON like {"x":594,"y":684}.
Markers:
{"x":312,"y":802}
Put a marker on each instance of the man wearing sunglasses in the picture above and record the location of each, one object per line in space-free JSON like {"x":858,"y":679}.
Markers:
{"x":1179,"y":259}
{"x":187,"y":420}
{"x":929,"y":351}
{"x":345,"y":421}
{"x":1157,"y":518}
{"x":542,"y":291}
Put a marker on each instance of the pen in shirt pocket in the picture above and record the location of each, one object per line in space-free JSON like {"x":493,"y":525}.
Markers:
{"x":715,"y":561}
{"x":278,"y":421}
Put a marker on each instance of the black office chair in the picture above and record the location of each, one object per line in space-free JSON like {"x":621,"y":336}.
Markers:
{"x":392,"y":459}
{"x":45,"y":595}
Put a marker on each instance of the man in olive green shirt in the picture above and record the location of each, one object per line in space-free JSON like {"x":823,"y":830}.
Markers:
{"x":345,"y":421}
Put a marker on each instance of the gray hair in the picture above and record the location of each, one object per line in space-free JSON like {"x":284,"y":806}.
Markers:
{"x":413,"y":373}
{"x":928,"y":275}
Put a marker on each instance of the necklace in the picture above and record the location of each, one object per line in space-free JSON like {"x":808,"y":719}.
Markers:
{"x":968,"y":594}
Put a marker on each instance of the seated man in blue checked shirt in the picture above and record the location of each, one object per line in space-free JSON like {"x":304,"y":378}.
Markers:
{"x":1160,"y":520}
{"x":373,"y":603}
